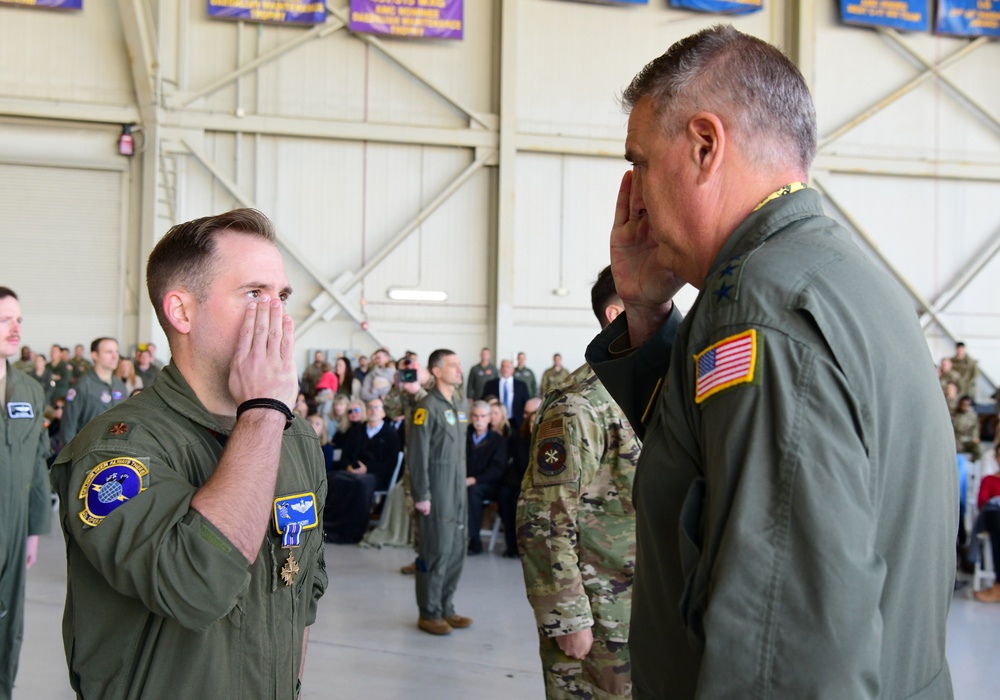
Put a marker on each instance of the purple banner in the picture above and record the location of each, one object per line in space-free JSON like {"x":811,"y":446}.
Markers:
{"x":275,"y":11}
{"x":429,"y":19}
{"x":50,"y":4}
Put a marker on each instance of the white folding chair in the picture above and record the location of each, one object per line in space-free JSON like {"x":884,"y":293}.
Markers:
{"x":984,"y":575}
{"x":378,"y":497}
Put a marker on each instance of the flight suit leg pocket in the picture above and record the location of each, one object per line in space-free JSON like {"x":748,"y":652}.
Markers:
{"x":691,"y":532}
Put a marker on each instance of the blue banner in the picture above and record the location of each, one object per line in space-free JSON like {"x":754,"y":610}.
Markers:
{"x":51,"y":4}
{"x":730,"y":7}
{"x":907,"y":15}
{"x":968,"y":17}
{"x":276,"y":11}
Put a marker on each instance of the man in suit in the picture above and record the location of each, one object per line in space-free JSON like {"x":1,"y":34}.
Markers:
{"x":513,"y":393}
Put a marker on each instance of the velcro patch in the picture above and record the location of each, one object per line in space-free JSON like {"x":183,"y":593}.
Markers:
{"x":20,"y":409}
{"x":298,"y":509}
{"x":110,"y":484}
{"x":729,"y":362}
{"x":550,"y":429}
{"x":420,"y":416}
{"x":551,"y":457}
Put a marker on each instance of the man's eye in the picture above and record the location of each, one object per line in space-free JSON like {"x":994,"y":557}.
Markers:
{"x":254,"y":294}
{"x":283,"y":297}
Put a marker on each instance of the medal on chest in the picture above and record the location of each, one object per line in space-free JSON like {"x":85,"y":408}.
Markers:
{"x":293,"y":515}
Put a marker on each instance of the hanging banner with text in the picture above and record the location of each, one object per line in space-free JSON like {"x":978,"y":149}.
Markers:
{"x":48,"y":4}
{"x":907,"y":15}
{"x":732,"y":7}
{"x":616,"y":2}
{"x":275,"y":11}
{"x":968,"y":17}
{"x":428,"y":19}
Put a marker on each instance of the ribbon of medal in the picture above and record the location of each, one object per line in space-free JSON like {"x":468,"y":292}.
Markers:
{"x":290,"y":540}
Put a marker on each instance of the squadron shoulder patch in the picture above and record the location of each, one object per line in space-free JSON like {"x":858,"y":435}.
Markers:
{"x":729,"y":362}
{"x":420,"y":416}
{"x":551,"y":457}
{"x":297,"y":509}
{"x":110,"y":484}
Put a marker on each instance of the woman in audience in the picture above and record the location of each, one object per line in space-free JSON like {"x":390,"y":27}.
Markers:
{"x":347,"y":385}
{"x":126,"y":372}
{"x":499,"y":421}
{"x":318,"y":423}
{"x":988,"y":521}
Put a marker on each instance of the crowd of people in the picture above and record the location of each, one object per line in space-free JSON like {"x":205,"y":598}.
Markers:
{"x":774,"y":518}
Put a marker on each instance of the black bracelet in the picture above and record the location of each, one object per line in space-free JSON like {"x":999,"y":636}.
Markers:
{"x":267,"y":403}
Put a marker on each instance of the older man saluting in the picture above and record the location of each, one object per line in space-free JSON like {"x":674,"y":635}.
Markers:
{"x":796,"y":497}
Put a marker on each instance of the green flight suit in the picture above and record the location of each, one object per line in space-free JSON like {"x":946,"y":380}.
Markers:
{"x":528,"y":377}
{"x":576,"y":534}
{"x":436,"y":463}
{"x":796,"y":510}
{"x":24,"y":503}
{"x":91,"y":397}
{"x":159,"y":603}
{"x":62,"y":374}
{"x":478,"y":376}
{"x":80,"y":367}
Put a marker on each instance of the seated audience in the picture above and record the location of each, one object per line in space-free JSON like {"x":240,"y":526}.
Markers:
{"x":988,"y":521}
{"x":518,"y":449}
{"x":347,"y":385}
{"x":126,"y":372}
{"x":965,"y":422}
{"x":485,"y":462}
{"x":318,"y":423}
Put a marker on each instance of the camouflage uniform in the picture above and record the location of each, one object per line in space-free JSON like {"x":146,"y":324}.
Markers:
{"x":528,"y":377}
{"x":80,"y":367}
{"x":968,"y":371}
{"x":576,"y":530}
{"x":966,"y":426}
{"x":552,"y":378}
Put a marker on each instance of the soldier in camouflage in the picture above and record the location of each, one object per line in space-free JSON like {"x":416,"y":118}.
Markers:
{"x":967,"y":369}
{"x":554,"y":375}
{"x":576,"y":530}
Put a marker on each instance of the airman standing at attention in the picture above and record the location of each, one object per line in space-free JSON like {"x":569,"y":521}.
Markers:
{"x":436,"y":462}
{"x":96,"y":391}
{"x":576,"y":530}
{"x":24,"y":486}
{"x":479,"y":375}
{"x":967,"y":369}
{"x":554,"y":375}
{"x":524,"y":373}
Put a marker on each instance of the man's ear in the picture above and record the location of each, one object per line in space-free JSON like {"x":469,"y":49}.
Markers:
{"x":708,"y":139}
{"x":611,"y":312}
{"x":178,"y":307}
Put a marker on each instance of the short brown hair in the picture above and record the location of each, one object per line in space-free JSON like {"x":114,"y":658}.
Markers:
{"x":185,"y":255}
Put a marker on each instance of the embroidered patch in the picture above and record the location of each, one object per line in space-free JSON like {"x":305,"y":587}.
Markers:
{"x":462,"y":418}
{"x":110,"y":484}
{"x":550,"y":428}
{"x":116,"y":395}
{"x":105,"y":397}
{"x":551,"y":458}
{"x":71,"y":394}
{"x":449,"y":416}
{"x":419,"y":416}
{"x":118,"y":429}
{"x":727,"y":363}
{"x":298,"y":509}
{"x":20,"y":409}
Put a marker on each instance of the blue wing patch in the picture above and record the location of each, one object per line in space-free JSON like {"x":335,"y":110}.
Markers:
{"x":109,"y":485}
{"x":299,"y":508}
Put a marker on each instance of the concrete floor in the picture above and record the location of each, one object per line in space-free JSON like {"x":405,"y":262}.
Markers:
{"x":365,"y":643}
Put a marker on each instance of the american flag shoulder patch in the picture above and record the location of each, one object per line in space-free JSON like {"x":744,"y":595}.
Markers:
{"x":729,"y":362}
{"x":550,"y":429}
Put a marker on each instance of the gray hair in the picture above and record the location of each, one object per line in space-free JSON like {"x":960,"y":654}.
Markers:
{"x":739,"y":78}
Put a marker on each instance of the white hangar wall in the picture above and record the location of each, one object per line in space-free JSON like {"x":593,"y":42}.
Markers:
{"x":486,"y":168}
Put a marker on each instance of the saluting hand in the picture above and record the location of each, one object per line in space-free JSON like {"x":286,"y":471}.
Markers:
{"x":642,"y":281}
{"x":263,"y":365}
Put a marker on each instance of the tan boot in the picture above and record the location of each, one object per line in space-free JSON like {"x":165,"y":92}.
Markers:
{"x":990,"y":595}
{"x":410,"y":568}
{"x":439,"y":627}
{"x":459,"y":622}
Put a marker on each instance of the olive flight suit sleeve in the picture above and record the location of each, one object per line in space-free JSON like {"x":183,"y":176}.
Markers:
{"x":633,"y":376}
{"x":418,"y":452}
{"x":782,"y":579}
{"x":151,"y":546}
{"x":566,"y":450}
{"x":39,"y":503}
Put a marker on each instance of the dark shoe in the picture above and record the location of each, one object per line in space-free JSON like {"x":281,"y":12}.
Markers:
{"x":438,"y":627}
{"x":410,"y":568}
{"x":473,"y":551}
{"x":511,"y":555}
{"x":458,"y":622}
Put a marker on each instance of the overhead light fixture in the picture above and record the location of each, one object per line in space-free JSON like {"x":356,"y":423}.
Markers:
{"x":560,"y":292}
{"x":401,"y":294}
